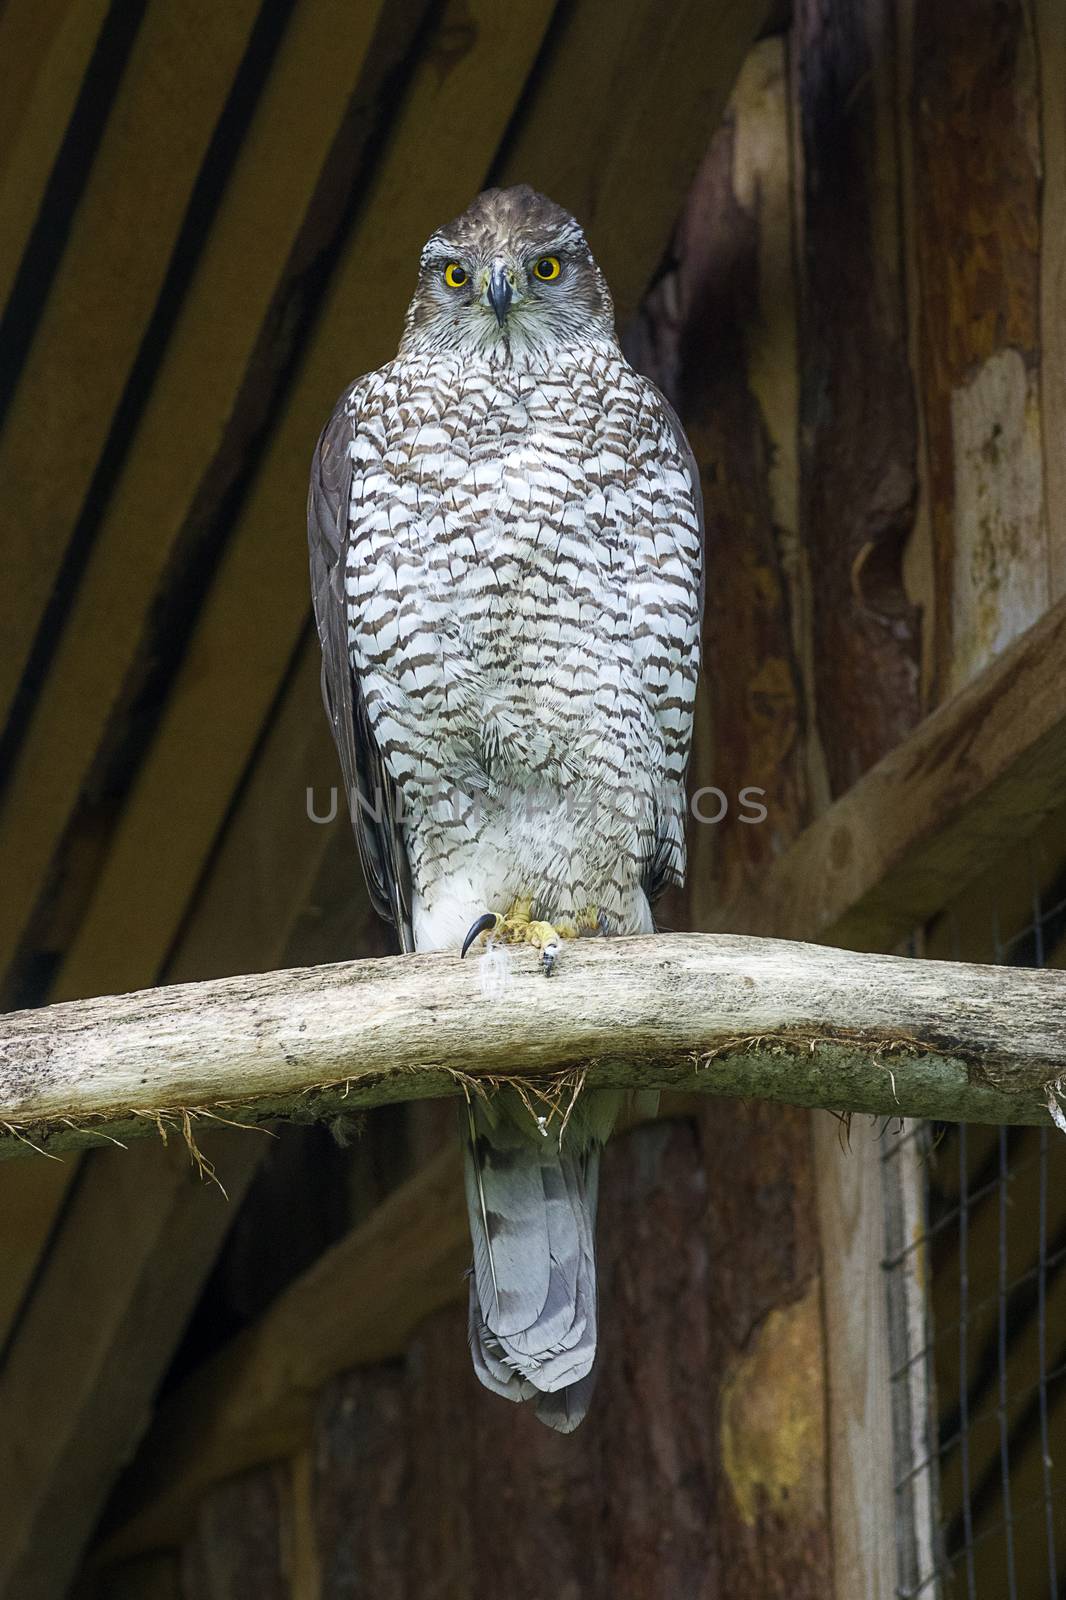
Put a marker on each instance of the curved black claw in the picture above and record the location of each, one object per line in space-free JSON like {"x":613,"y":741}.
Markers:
{"x":486,"y":921}
{"x":547,"y":960}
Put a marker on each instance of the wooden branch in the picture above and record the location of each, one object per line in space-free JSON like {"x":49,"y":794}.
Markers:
{"x":978,"y":774}
{"x":732,"y":1016}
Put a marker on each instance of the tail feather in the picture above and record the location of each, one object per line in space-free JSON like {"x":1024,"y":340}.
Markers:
{"x":490,"y":1365}
{"x":556,"y":1326}
{"x":565,"y":1408}
{"x":533,"y":1287}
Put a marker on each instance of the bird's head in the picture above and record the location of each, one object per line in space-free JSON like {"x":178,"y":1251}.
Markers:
{"x":513,"y":275}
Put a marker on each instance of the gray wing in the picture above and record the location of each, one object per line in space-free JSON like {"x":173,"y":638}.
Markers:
{"x":661,"y":872}
{"x":685,"y":452}
{"x":367,"y":785}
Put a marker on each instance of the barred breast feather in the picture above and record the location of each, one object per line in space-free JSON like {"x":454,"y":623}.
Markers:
{"x":522,"y":619}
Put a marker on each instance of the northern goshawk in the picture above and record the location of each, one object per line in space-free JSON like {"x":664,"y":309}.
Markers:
{"x":506,"y":542}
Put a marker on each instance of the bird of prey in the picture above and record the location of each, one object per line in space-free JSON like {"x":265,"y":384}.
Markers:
{"x":506,"y":533}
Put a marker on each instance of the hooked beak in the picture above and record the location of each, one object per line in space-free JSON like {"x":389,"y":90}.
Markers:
{"x":500,"y":294}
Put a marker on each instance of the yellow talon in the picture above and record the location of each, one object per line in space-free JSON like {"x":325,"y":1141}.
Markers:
{"x":546,"y":938}
{"x":518,"y":927}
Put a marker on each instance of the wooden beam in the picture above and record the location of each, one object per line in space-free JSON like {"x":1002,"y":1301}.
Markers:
{"x":47,"y":48}
{"x":97,"y":1337}
{"x":1050,"y":22}
{"x":718,"y":334}
{"x":858,"y":1402}
{"x":978,"y":774}
{"x":238,"y":1547}
{"x":363,"y":1303}
{"x":857,"y":425}
{"x":977,"y":216}
{"x":360,"y":1303}
{"x":251,"y":624}
{"x":31,"y":1198}
{"x":732,"y":1016}
{"x":263,"y":885}
{"x":206,"y":402}
{"x":169,"y":100}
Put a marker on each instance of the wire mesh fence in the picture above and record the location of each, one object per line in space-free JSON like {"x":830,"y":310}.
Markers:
{"x":975,"y":1265}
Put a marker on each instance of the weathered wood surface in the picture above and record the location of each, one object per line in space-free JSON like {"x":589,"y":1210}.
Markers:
{"x":213,"y":393}
{"x":733,"y":1016}
{"x":977,"y":216}
{"x":979,"y":773}
{"x":236,"y":1550}
{"x":638,"y":87}
{"x":718,"y":334}
{"x":166,"y":107}
{"x":359,"y":1464}
{"x":858,"y":431}
{"x":858,"y":1398}
{"x":96,"y":1339}
{"x":359,"y":1304}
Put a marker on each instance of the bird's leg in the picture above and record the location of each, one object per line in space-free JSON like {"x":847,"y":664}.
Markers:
{"x":518,"y":927}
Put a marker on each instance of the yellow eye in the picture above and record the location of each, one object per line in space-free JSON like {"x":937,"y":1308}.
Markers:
{"x":547,"y":268}
{"x":455,"y":275}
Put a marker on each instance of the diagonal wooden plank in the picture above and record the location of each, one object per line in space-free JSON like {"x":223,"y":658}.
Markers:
{"x":119,"y":1283}
{"x":981,"y":772}
{"x":434,"y":160}
{"x":51,"y":46}
{"x":196,"y":417}
{"x":172,"y":92}
{"x":32,"y":1194}
{"x":263,"y":877}
{"x":363,"y":1300}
